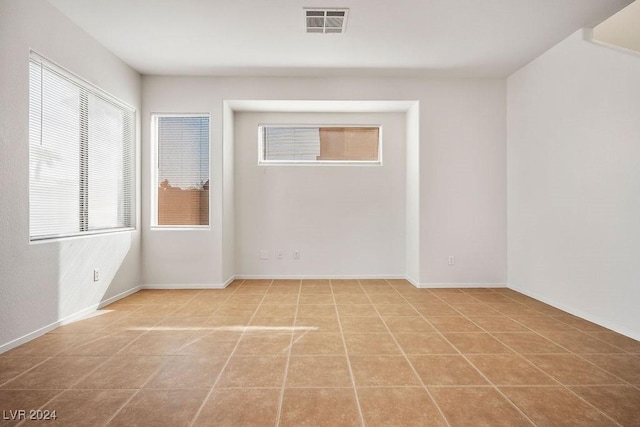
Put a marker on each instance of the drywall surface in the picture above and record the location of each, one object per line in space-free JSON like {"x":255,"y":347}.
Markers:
{"x":344,"y":220}
{"x":621,"y":29}
{"x":574,"y":182}
{"x":463,"y":185}
{"x":412,"y":184}
{"x":46,"y":282}
{"x":462,"y":155}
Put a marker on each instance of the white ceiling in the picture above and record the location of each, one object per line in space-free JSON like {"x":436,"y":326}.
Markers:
{"x":489,"y":38}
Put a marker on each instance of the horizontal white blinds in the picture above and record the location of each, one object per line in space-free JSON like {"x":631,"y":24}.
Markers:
{"x":291,"y":143}
{"x":183,"y":170}
{"x":309,"y":144}
{"x":81,"y":156}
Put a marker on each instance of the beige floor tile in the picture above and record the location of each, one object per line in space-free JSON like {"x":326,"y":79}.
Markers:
{"x":476,"y":343}
{"x":438,"y":309}
{"x":240,"y":407}
{"x":571,"y":370}
{"x":161,"y":407}
{"x":285,"y":310}
{"x":362,"y":325}
{"x":47,"y":345}
{"x":59,"y":372}
{"x":476,"y":310}
{"x":357,"y":310}
{"x":188,"y":372}
{"x":102,"y":345}
{"x":212,"y":344}
{"x":85,"y":407}
{"x":446,"y":370}
{"x":371,"y":344}
{"x":349,"y":299}
{"x":408,"y":325}
{"x":528,"y":343}
{"x":253,"y":371}
{"x":317,"y":343}
{"x":625,"y":366}
{"x":264,"y":343}
{"x":509,"y":369}
{"x":544,"y":324}
{"x":618,"y":340}
{"x":316,"y":299}
{"x":554,"y":406}
{"x":622,"y":403}
{"x":317,"y":310}
{"x":11,"y":367}
{"x":370,"y":371}
{"x":319,"y":407}
{"x":471,"y":406}
{"x":396,"y":310}
{"x":157,"y":343}
{"x":405,"y":406}
{"x":498,"y":323}
{"x":387,"y":298}
{"x":318,"y":371}
{"x":125,"y":372}
{"x":280,"y":299}
{"x":425,"y":343}
{"x":319,"y":324}
{"x":580,"y":342}
{"x":454,"y":324}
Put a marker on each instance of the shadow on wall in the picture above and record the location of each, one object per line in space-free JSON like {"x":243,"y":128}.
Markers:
{"x":77,"y":260}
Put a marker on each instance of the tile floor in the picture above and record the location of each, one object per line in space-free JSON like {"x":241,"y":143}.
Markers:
{"x":320,"y":352}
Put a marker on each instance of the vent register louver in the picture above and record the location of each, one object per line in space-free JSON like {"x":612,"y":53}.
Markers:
{"x":326,"y":21}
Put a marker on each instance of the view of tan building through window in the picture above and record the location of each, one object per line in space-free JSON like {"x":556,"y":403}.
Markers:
{"x":338,"y":143}
{"x":183,"y":170}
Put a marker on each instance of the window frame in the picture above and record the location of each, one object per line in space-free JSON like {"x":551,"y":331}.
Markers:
{"x":154,"y":226}
{"x":264,"y":162}
{"x":86,"y":87}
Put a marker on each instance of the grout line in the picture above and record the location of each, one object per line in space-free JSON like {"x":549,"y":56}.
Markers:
{"x":286,"y":367}
{"x":224,"y":367}
{"x":527,"y":360}
{"x":468,"y":361}
{"x":406,"y":358}
{"x":346,"y":354}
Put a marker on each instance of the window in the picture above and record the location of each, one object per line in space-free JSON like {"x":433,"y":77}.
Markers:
{"x":319,"y":144}
{"x":182,"y":176}
{"x":81,"y":156}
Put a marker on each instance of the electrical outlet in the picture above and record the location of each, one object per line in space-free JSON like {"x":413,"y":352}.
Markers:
{"x":452,"y":260}
{"x":296,"y":254}
{"x":264,"y":254}
{"x":280,"y":254}
{"x":96,"y":275}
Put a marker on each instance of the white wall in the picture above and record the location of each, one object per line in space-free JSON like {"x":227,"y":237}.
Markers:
{"x":346,"y":220}
{"x":463,"y":185}
{"x":574,"y":182}
{"x":412,"y":185}
{"x":46,"y":282}
{"x":462,"y":189}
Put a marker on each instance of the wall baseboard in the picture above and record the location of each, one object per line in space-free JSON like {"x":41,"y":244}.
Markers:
{"x":115,"y":298}
{"x":64,"y":321}
{"x":458,"y":285}
{"x":318,"y":276}
{"x":189,"y":285}
{"x":577,"y":312}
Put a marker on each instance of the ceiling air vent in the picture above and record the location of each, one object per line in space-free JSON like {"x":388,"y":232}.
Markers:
{"x":326,"y":20}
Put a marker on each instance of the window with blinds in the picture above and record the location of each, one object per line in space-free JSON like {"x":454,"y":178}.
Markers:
{"x":182,"y":175}
{"x":81,"y":156}
{"x":319,"y":144}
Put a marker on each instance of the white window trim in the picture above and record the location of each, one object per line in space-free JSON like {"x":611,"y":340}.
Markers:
{"x":37,"y":57}
{"x":263,"y":162}
{"x":154,"y":175}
